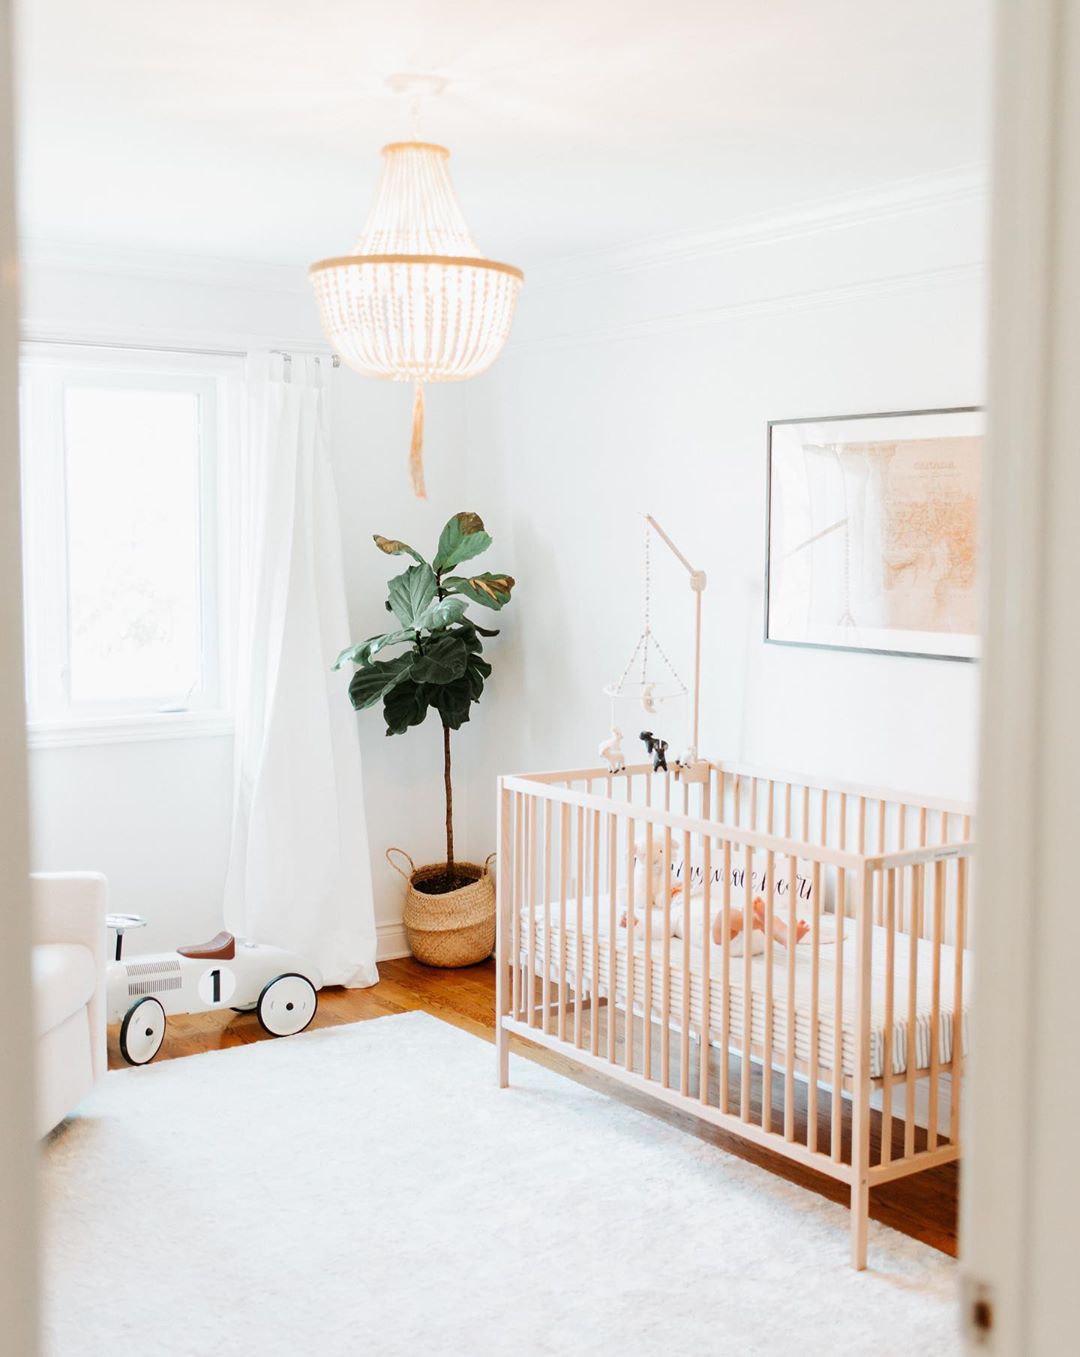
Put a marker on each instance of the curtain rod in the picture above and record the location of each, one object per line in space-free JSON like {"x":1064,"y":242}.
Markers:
{"x":169,"y":348}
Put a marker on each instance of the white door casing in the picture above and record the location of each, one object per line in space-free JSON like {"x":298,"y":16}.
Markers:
{"x":1021,"y":1204}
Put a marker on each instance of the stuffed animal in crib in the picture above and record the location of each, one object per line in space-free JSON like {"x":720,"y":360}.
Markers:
{"x":657,"y":747}
{"x":651,"y":870}
{"x":686,"y":914}
{"x":611,"y":751}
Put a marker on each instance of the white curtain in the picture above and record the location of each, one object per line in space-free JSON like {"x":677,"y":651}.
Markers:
{"x":299,"y":869}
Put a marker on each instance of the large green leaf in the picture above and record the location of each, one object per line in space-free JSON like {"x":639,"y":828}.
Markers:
{"x":444,"y":659}
{"x":452,"y":702}
{"x":468,"y":633}
{"x":444,"y":612}
{"x":493,"y":591}
{"x":405,"y":705}
{"x":366,"y":651}
{"x":376,"y":680}
{"x":462,"y":539}
{"x":411,"y":593}
{"x":392,"y":547}
{"x":476,"y":672}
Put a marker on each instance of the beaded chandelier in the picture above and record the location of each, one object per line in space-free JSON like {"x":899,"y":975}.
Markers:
{"x":416,"y":301}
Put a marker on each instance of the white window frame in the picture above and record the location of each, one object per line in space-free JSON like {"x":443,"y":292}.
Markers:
{"x":46,"y":371}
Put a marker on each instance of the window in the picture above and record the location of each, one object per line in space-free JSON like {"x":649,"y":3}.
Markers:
{"x":125,"y":460}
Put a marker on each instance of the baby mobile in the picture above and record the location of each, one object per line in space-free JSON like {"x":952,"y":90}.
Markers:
{"x":652,"y":686}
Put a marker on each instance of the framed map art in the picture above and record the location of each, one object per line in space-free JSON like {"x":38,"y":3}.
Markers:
{"x":871,"y":535}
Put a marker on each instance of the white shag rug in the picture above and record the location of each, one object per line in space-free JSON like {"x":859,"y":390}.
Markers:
{"x":368,"y":1189}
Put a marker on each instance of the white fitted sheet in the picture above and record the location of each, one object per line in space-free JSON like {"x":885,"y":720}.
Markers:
{"x":601,"y":957}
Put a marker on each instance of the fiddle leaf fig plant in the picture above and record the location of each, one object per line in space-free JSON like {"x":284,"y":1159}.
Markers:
{"x":440,"y":665}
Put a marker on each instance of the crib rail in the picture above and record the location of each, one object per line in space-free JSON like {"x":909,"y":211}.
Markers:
{"x":643,"y":929}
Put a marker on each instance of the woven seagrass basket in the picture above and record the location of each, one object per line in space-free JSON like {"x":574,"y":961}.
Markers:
{"x":453,"y":929}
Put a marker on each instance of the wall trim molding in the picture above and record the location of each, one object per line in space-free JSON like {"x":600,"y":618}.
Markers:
{"x":168,"y":266}
{"x":391,"y":942}
{"x":164,"y":339}
{"x":835,"y":212}
{"x":956,"y":275}
{"x":839,"y":212}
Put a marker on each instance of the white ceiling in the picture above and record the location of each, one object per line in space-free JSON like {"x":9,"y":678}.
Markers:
{"x":250,"y":128}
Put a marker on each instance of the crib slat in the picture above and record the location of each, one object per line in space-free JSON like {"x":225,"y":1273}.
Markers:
{"x":815,"y":1007}
{"x":613,"y":972}
{"x":631,"y":952}
{"x":579,"y":924}
{"x":665,"y":967}
{"x":958,"y":1000}
{"x":646,"y":1048}
{"x":545,"y":980}
{"x":564,"y":885}
{"x":594,"y":978}
{"x":935,"y":1002}
{"x":789,"y":1070}
{"x":747,"y":937}
{"x":684,"y":1025}
{"x":920,"y":921}
{"x":531,"y":810}
{"x":769,"y":984}
{"x":860,"y":1111}
{"x":767,"y":1060}
{"x":725,"y":987}
{"x":706,"y":970}
{"x":912,"y":1015}
{"x":890,"y":985}
{"x":836,"y":1117}
{"x":517,"y":872}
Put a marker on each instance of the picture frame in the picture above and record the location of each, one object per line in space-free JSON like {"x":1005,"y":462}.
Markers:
{"x":871,"y":532}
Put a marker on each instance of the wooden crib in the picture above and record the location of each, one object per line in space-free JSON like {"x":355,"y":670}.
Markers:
{"x":802,"y":1050}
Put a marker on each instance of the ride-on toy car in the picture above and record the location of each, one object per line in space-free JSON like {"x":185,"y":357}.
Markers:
{"x":279,"y":986}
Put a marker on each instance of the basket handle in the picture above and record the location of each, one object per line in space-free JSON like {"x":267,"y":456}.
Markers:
{"x":406,"y":876}
{"x":488,"y":861}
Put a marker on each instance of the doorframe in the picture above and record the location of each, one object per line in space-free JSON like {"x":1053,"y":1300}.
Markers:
{"x":18,"y":1148}
{"x":1019,"y":1091}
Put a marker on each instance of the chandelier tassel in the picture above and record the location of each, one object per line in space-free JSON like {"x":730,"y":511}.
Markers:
{"x":416,"y":452}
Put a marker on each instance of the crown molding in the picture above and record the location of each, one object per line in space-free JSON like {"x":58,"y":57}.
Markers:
{"x":161,"y":265}
{"x":840,"y":212}
{"x":957,"y":275}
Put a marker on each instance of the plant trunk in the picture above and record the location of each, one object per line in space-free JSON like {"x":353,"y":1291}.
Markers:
{"x":449,"y":804}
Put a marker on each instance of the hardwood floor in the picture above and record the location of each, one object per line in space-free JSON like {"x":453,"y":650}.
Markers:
{"x":923,"y":1206}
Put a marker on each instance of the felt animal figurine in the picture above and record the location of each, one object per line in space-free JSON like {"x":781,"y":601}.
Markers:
{"x":611,"y":751}
{"x":657,"y":748}
{"x":648,"y":870}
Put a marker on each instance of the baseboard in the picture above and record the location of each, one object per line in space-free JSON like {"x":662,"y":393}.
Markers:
{"x":391,"y":942}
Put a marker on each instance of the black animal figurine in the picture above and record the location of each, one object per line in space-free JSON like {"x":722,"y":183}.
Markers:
{"x":657,"y":748}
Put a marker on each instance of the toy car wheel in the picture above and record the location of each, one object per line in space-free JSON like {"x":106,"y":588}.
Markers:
{"x":142,"y":1031}
{"x":287,"y":1004}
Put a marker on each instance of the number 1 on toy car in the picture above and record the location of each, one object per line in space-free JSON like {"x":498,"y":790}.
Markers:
{"x":216,"y":985}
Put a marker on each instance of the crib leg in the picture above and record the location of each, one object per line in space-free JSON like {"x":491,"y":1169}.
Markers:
{"x":502,"y":1051}
{"x":860,"y":1220}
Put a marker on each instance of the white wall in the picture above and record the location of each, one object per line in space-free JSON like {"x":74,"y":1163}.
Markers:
{"x":647,"y":385}
{"x":155,"y":816}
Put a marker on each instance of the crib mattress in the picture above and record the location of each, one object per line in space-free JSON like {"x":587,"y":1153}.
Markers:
{"x":737,"y":1006}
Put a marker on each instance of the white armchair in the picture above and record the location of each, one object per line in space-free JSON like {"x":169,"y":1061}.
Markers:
{"x":69,"y":956}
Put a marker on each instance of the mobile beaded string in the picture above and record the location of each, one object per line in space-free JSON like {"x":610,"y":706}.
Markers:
{"x":651,"y":691}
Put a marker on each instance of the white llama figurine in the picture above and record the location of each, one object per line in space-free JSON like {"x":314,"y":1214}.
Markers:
{"x":611,"y":751}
